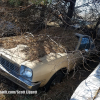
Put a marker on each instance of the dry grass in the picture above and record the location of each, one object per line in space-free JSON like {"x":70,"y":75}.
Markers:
{"x":54,"y":39}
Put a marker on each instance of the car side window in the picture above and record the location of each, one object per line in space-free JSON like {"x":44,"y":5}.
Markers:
{"x":85,"y":43}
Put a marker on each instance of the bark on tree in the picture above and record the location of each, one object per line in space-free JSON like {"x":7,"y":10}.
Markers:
{"x":70,"y":10}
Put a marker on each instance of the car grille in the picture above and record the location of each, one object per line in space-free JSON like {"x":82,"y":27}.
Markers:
{"x":8,"y":65}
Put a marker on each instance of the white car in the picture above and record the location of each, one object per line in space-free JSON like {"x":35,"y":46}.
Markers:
{"x":89,"y":89}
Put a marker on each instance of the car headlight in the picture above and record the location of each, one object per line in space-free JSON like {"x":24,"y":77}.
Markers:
{"x":26,"y":72}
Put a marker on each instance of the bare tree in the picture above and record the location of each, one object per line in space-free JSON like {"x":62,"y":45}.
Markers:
{"x":70,"y":9}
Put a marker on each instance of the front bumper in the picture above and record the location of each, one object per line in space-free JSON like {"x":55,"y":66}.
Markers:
{"x":19,"y":80}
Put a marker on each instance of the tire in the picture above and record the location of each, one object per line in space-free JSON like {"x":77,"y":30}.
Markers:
{"x":57,"y":78}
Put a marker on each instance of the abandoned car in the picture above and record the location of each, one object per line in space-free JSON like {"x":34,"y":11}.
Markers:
{"x":89,"y":88}
{"x":45,"y":71}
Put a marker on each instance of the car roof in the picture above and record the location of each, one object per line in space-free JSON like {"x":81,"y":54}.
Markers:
{"x":80,"y":35}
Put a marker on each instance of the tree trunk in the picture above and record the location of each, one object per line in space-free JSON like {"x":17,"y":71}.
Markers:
{"x":70,"y":10}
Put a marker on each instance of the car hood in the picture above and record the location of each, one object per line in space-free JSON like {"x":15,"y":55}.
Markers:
{"x":17,"y":56}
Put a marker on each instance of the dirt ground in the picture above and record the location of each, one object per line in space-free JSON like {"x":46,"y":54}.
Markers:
{"x":61,"y":91}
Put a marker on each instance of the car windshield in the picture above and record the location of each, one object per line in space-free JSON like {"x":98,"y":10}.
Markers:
{"x":85,"y":43}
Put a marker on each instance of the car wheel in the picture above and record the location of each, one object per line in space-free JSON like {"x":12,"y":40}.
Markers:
{"x":56,"y":78}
